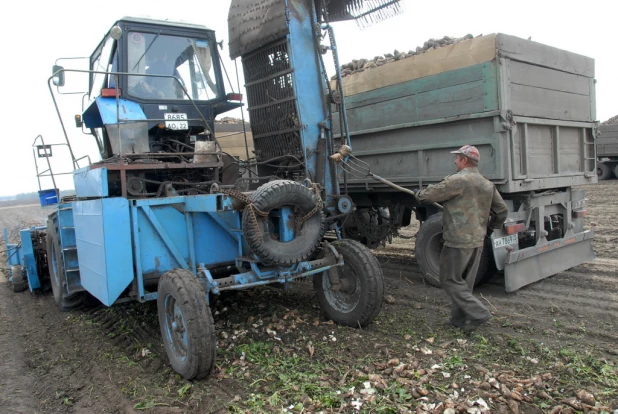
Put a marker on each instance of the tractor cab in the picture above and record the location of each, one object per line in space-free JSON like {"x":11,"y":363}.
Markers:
{"x":154,"y":90}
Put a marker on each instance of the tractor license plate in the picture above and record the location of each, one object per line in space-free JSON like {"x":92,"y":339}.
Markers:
{"x":176,"y":121}
{"x":504,"y":241}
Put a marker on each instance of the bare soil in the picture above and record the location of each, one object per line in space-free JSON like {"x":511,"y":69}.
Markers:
{"x":546,"y":344}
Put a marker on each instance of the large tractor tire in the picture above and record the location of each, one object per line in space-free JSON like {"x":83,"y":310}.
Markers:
{"x":359,"y":298}
{"x":428,"y":247}
{"x":57,"y":277}
{"x":604,"y":172}
{"x":277,"y":194}
{"x":186,"y":323}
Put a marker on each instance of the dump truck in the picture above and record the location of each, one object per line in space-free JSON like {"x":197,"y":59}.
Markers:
{"x":607,"y":152}
{"x":530,"y":110}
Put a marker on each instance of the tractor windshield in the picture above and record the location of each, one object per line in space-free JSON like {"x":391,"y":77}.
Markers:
{"x":189,"y":60}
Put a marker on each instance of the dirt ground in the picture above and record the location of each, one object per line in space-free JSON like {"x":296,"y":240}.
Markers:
{"x":550,"y":347}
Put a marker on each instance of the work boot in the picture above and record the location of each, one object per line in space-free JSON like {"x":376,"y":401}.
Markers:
{"x":456,"y":323}
{"x":474,"y":324}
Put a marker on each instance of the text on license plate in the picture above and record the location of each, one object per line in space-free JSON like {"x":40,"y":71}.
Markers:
{"x":504,"y":241}
{"x":176,"y":121}
{"x":175,"y":117}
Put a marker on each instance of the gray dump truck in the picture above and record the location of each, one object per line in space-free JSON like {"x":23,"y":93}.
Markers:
{"x":530,"y":110}
{"x":607,"y":152}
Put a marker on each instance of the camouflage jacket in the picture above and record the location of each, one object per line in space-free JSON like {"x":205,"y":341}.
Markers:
{"x":467,"y":198}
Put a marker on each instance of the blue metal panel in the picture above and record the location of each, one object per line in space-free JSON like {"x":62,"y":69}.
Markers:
{"x":90,"y":183}
{"x":309,"y":85}
{"x":162,"y":238}
{"x":13,"y":251}
{"x":213,"y":243}
{"x":29,"y":261}
{"x":104,"y":111}
{"x":103,"y":233}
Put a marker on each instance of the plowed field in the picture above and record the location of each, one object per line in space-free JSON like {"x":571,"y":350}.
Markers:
{"x":550,"y":347}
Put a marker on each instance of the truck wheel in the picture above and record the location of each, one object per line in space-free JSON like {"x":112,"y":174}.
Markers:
{"x":428,"y":247}
{"x":277,"y":194}
{"x":616,"y":170}
{"x":186,"y":323}
{"x":359,"y":299}
{"x":57,"y":277}
{"x":603,"y":171}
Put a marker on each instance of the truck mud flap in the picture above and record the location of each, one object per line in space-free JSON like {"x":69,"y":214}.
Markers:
{"x":536,"y":263}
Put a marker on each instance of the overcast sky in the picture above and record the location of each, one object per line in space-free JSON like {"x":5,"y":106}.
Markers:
{"x":38,"y":33}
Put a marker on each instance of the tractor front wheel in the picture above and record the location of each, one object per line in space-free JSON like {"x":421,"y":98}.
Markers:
{"x":187,"y":327}
{"x":357,"y":299}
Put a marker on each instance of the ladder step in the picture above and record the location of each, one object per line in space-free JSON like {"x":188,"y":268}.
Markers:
{"x":69,"y":249}
{"x":72,"y":270}
{"x":68,"y":227}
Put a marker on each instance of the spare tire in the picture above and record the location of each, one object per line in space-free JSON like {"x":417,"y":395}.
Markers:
{"x":308,"y":235}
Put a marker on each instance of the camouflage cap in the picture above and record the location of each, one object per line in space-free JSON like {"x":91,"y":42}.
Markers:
{"x":469,"y":151}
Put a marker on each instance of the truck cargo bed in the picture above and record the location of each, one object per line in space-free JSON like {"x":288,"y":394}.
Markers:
{"x":528,"y":107}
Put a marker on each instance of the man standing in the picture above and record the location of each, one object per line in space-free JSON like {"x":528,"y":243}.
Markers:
{"x":468,"y":199}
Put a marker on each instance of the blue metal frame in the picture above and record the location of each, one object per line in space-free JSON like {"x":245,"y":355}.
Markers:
{"x":22,"y":254}
{"x":189,"y":232}
{"x":310,"y":87}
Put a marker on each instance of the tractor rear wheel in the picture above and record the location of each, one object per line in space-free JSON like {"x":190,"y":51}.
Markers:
{"x":358,"y":299}
{"x":186,"y":323}
{"x":55,"y":263}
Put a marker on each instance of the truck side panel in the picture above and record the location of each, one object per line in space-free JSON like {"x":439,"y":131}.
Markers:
{"x":464,"y":91}
{"x":545,"y":93}
{"x":543,"y":55}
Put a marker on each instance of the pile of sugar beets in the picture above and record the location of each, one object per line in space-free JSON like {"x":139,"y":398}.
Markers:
{"x":360,"y":65}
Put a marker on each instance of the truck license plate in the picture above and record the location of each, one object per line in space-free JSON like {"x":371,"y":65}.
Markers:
{"x":176,"y":121}
{"x":504,"y":241}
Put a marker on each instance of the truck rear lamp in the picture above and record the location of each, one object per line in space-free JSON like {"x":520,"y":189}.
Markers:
{"x":234,"y":97}
{"x":579,"y":213}
{"x":111,"y":92}
{"x":513,"y":228}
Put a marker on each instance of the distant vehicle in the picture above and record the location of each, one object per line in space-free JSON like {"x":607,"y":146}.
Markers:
{"x":607,"y":152}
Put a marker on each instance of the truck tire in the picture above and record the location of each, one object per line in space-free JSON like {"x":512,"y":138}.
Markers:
{"x":55,"y":264}
{"x":277,"y":194}
{"x":428,"y":246}
{"x":616,"y":170}
{"x":186,"y":323}
{"x":360,"y":299}
{"x":604,"y":172}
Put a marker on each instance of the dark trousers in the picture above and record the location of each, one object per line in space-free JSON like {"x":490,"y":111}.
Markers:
{"x":458,"y":268}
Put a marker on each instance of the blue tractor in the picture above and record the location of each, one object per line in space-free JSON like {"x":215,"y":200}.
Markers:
{"x":166,"y":214}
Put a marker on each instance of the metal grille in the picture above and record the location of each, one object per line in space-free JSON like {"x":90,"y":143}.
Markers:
{"x":273,"y":119}
{"x":276,"y":145}
{"x":272,"y":102}
{"x":365,"y":12}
